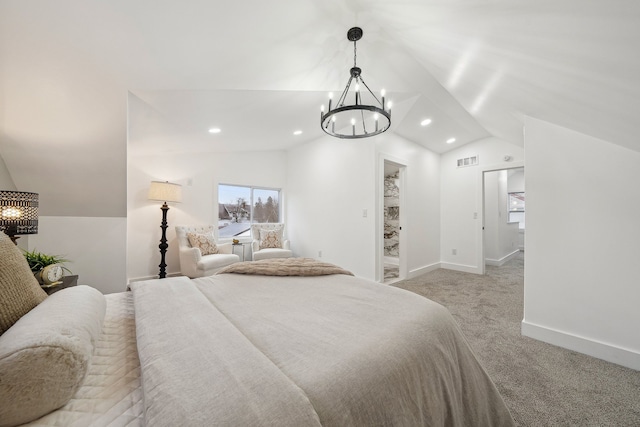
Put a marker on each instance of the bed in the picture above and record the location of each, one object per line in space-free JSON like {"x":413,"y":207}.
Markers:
{"x":257,"y":348}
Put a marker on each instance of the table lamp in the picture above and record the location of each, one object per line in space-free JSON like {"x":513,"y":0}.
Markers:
{"x":18,"y":213}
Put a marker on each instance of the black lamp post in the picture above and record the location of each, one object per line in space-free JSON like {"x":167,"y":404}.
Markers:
{"x":164,"y":192}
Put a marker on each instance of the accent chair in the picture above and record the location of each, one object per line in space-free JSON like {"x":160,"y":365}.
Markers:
{"x":196,"y":260}
{"x":268,"y":241}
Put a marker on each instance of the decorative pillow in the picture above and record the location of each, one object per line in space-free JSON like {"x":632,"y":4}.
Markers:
{"x":270,"y":239}
{"x":45,"y":355}
{"x":204,"y":242}
{"x":19,"y":290}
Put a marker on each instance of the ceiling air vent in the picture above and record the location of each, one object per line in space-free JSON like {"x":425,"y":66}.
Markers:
{"x":467,"y":161}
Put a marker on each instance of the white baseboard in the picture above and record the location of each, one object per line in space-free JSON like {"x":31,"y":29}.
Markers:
{"x":501,"y":261}
{"x":140,"y":279}
{"x":422,"y":270}
{"x":461,"y":267}
{"x":600,"y":350}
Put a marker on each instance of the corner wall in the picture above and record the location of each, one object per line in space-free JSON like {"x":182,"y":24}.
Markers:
{"x":461,"y":200}
{"x":581,"y":277}
{"x":332,"y":182}
{"x":199,"y":174}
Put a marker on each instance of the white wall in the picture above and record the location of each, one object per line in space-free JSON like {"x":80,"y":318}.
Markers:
{"x":461,"y":200}
{"x":420,"y":235}
{"x":6,"y":183}
{"x":331,"y":182}
{"x":199,"y":174}
{"x":581,"y":276}
{"x":95,"y":248}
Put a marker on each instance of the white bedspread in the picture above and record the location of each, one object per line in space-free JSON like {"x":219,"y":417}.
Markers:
{"x":336,"y":350}
{"x":111,"y":394}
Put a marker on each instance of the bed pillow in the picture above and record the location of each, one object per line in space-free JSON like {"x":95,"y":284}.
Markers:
{"x":204,"y":242}
{"x":19,"y":290}
{"x":270,"y":239}
{"x":44,"y":356}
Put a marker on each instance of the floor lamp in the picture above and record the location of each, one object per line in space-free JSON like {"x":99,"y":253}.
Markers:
{"x":164,"y":192}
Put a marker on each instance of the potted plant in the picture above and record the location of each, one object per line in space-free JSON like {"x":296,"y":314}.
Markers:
{"x":47,"y":269}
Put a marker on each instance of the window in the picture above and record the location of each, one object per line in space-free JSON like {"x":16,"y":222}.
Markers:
{"x":516,"y":208}
{"x":241,"y":206}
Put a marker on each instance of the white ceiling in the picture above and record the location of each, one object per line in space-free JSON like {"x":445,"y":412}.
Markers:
{"x":260,"y":70}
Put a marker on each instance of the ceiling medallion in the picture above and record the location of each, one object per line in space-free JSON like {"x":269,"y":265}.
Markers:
{"x":367,"y":116}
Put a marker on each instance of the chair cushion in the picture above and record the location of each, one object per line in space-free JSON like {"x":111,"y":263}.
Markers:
{"x":270,"y":239}
{"x":204,"y":242}
{"x":216,"y":261}
{"x":19,"y":289}
{"x":272,"y":253}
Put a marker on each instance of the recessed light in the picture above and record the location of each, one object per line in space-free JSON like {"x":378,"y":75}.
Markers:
{"x":214,"y":130}
{"x":451,"y":140}
{"x":297,"y":132}
{"x":425,"y":122}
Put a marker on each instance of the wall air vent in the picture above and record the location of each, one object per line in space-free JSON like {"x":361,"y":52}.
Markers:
{"x":467,"y":161}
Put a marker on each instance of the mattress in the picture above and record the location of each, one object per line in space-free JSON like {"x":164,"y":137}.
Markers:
{"x":111,"y":394}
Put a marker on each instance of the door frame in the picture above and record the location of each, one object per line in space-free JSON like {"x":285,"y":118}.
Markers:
{"x":402,"y":249}
{"x":480,"y":228}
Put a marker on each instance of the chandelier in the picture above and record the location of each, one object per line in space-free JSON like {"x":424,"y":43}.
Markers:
{"x":367,"y":116}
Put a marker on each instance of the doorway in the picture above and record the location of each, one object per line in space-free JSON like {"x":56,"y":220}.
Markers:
{"x":503,"y":215}
{"x":393,"y":213}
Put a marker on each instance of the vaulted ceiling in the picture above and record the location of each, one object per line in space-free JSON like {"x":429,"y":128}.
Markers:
{"x":78,"y":77}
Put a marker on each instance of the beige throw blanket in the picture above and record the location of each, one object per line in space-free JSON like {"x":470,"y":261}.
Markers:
{"x":285,"y":267}
{"x":233,"y":350}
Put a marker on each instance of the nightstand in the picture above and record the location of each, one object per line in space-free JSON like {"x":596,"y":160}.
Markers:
{"x":67,"y":282}
{"x":243,"y":244}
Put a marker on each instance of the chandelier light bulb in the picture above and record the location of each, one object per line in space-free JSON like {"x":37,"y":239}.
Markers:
{"x":383,"y":92}
{"x":353,"y":122}
{"x":322,"y":108}
{"x":330,"y":95}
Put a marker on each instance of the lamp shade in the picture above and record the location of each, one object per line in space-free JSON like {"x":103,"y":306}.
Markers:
{"x":165,"y":191}
{"x":18,"y":212}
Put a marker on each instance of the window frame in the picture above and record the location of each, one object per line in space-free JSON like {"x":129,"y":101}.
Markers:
{"x":251,"y":203}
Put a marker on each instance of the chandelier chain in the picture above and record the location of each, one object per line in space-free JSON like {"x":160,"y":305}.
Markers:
{"x":354,"y":53}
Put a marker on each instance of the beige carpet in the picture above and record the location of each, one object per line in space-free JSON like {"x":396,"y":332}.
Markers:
{"x":542,"y":385}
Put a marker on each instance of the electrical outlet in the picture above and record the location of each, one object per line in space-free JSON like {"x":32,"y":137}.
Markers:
{"x":364,"y":213}
{"x":454,"y":252}
{"x":319,"y":254}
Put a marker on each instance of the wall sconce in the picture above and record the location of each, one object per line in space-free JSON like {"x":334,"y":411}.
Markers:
{"x":18,"y":213}
{"x":164,"y":192}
